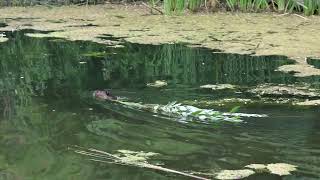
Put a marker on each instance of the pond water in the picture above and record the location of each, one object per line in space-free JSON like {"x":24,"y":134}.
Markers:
{"x":43,"y":111}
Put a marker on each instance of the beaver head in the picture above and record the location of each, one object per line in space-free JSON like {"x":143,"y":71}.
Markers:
{"x":104,"y":95}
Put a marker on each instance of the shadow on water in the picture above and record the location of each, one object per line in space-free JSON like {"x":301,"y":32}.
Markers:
{"x":3,"y":24}
{"x":43,"y":111}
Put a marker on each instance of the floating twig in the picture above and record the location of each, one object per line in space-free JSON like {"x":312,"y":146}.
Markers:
{"x":106,"y":157}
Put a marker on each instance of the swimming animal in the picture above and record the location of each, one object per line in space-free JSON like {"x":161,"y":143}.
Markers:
{"x":176,"y":110}
{"x":104,"y":95}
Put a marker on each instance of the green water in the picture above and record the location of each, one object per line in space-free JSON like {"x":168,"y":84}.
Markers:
{"x":43,"y":111}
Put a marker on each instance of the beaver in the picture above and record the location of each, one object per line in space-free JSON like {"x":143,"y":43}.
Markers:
{"x":104,"y":95}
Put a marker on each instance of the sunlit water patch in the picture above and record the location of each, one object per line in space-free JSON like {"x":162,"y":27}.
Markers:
{"x":44,"y":111}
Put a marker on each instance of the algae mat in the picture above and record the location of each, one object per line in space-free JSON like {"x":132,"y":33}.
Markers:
{"x":256,"y":34}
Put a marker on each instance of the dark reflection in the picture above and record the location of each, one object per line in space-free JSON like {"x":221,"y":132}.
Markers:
{"x":42,"y":82}
{"x":182,"y":65}
{"x":315,"y":62}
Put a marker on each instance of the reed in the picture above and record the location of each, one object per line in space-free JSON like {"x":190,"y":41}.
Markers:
{"x":311,"y":7}
{"x":260,"y":5}
{"x":232,"y":4}
{"x":308,"y":7}
{"x":174,"y":6}
{"x":194,"y":5}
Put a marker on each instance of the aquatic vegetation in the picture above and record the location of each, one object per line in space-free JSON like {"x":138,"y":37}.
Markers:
{"x":309,"y":103}
{"x":281,"y":169}
{"x":294,"y":90}
{"x":38,"y":35}
{"x":3,"y":37}
{"x":256,"y":166}
{"x":218,"y":86}
{"x":139,"y":159}
{"x":158,"y":84}
{"x":234,"y":174}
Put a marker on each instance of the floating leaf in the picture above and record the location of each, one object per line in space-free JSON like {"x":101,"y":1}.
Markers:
{"x":196,"y":112}
{"x":235,"y":109}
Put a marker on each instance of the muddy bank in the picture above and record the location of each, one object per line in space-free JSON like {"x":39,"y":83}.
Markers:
{"x":257,"y":34}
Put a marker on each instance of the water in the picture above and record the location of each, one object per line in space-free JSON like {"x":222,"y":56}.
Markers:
{"x":43,"y":111}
